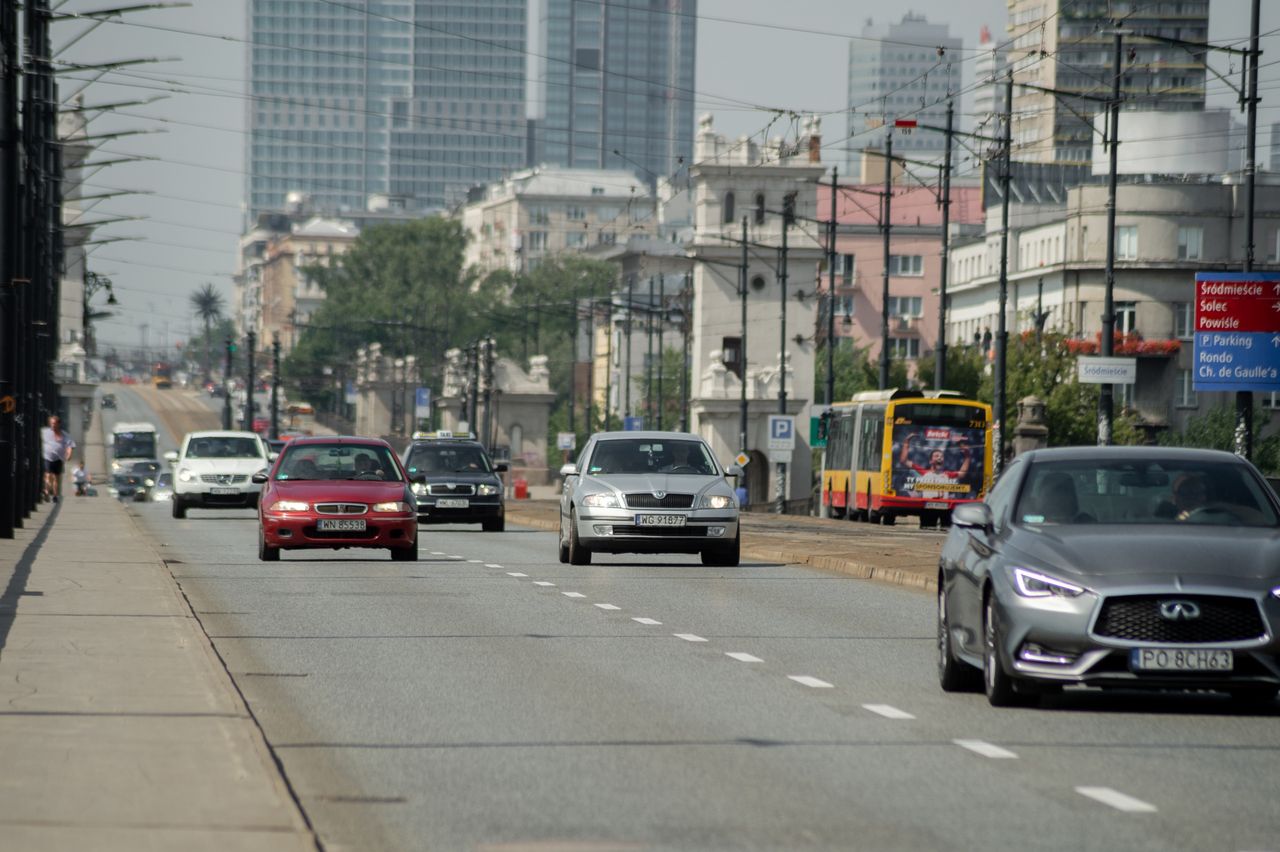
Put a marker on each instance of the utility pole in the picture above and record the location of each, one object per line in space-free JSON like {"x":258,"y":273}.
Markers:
{"x":831,"y":291}
{"x":229,"y":349}
{"x":10,"y":235}
{"x":686,"y":311}
{"x":940,"y":350}
{"x":742,"y":344}
{"x":662,"y":315}
{"x":631,"y":302}
{"x":885,"y":227}
{"x":1244,"y":399}
{"x":473,"y":354}
{"x":489,"y":345}
{"x":608,"y":362}
{"x":1105,"y":392}
{"x":249,"y":380}
{"x":780,"y":471}
{"x":1001,"y":341}
{"x":589,"y":402}
{"x":648,"y":366}
{"x":275,"y":386}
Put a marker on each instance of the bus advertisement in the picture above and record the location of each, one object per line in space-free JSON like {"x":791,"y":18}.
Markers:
{"x":900,"y":453}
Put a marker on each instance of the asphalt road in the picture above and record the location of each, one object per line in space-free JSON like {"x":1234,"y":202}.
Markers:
{"x":488,"y":697}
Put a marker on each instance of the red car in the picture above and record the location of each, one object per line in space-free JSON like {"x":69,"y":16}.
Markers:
{"x":337,"y":492}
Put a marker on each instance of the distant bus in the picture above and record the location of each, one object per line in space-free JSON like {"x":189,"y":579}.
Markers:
{"x":898,"y":452}
{"x":162,"y":375}
{"x":132,"y":442}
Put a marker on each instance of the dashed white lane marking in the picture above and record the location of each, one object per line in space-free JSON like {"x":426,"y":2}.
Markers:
{"x":475,"y":561}
{"x":806,"y":680}
{"x":491,"y":565}
{"x":516,"y":574}
{"x":573,"y":594}
{"x":743,"y":657}
{"x":437,"y":553}
{"x":986,"y":749}
{"x":888,"y":711}
{"x":542,"y":583}
{"x":452,"y":556}
{"x":1117,"y":800}
{"x":649,"y":621}
{"x":689,"y":637}
{"x":608,"y":606}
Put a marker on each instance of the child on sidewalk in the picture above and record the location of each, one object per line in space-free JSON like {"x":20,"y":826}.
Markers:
{"x":81,"y":478}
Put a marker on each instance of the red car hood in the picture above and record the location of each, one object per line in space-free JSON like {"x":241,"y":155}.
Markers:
{"x":354,"y":490}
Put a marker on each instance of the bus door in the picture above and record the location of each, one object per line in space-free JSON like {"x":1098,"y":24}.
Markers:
{"x":868,"y":456}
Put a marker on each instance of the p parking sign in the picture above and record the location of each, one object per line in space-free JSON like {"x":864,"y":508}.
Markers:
{"x":782,"y":432}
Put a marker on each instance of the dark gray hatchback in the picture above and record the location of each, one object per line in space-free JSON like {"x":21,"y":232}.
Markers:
{"x":455,"y":482}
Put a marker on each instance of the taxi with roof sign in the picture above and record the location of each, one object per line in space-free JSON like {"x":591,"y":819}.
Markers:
{"x":455,"y":481}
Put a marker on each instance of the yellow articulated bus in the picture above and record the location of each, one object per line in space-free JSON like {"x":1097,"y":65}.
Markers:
{"x":893,"y":453}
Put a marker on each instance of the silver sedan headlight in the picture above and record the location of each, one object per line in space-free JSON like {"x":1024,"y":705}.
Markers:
{"x":605,"y":500}
{"x":715,"y":501}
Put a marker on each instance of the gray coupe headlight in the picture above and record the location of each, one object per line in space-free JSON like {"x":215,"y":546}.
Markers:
{"x":1033,"y":584}
{"x":1275,"y":593}
{"x":486,"y":490}
{"x":606,"y":500}
{"x":716,"y":501}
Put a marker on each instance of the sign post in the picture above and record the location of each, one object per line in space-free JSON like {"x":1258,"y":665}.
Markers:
{"x":782,"y":443}
{"x":421,"y":407}
{"x":1237,"y":332}
{"x":1095,"y":370}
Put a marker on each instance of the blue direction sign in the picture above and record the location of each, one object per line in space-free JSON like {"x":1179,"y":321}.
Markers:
{"x":1237,"y":331}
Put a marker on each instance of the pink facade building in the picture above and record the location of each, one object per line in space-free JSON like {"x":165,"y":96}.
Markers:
{"x":915,"y":264}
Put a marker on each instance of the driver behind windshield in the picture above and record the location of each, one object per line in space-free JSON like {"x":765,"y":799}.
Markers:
{"x":1189,"y":494}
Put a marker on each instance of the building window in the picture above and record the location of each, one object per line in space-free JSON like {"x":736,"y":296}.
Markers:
{"x":573,"y":239}
{"x":759,"y":208}
{"x":1270,"y":400}
{"x":844,"y":306}
{"x":846,"y":267}
{"x":539,"y":214}
{"x":1127,"y":242}
{"x":1182,"y":318}
{"x":575,"y":212}
{"x":906,"y":264}
{"x":731,"y":349}
{"x":906,"y":306}
{"x":1190,"y":243}
{"x":728,"y":207}
{"x":536,"y":241}
{"x":1126,"y":317}
{"x":1185,"y":395}
{"x":904,"y":347}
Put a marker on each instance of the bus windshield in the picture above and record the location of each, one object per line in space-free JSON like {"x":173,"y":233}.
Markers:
{"x":134,"y":445}
{"x":938,"y":451}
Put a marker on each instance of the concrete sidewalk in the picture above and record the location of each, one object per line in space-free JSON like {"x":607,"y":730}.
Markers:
{"x":901,"y":556}
{"x":120,"y":728}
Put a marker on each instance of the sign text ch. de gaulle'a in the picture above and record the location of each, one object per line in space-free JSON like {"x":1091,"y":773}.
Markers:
{"x":1237,"y":331}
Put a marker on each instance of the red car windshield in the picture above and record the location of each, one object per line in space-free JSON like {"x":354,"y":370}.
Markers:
{"x":309,"y":462}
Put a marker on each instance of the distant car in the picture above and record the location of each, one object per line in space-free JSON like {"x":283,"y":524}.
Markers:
{"x":108,"y":400}
{"x":214,"y":470}
{"x":648,"y":492}
{"x":162,"y":491}
{"x":1114,"y":567}
{"x":145,"y":473}
{"x":455,"y":481}
{"x":335,"y":493}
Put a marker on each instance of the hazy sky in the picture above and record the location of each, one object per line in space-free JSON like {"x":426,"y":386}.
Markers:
{"x":789,"y":56}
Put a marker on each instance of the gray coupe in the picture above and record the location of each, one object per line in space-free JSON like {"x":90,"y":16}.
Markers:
{"x":648,"y":492}
{"x":1114,"y":567}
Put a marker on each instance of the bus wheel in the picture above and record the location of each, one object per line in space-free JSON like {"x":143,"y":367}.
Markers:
{"x":888,"y":519}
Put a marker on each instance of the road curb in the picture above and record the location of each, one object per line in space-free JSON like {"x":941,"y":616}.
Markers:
{"x":852,"y":568}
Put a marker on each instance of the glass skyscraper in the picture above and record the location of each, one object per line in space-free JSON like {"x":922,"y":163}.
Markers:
{"x":615,"y":76}
{"x":413,"y":99}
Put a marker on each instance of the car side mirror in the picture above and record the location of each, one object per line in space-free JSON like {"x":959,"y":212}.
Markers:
{"x":272,"y":456}
{"x":258,"y":478}
{"x":569,"y":469}
{"x":501,"y":467}
{"x":171,"y":457}
{"x":735,"y":470}
{"x":973,"y":516}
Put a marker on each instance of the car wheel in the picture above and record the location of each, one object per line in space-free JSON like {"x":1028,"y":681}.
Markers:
{"x":953,"y":675}
{"x":578,"y":555}
{"x":1261,"y":694}
{"x":996,"y":682}
{"x":728,"y":555}
{"x":265,"y":552}
{"x":562,"y":544}
{"x":405,"y":554}
{"x":497,"y":525}
{"x":179,"y":508}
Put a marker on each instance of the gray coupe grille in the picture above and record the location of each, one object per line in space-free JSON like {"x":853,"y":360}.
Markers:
{"x":1137,"y":618}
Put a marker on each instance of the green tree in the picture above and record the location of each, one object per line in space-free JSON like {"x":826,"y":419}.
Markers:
{"x":208,"y":307}
{"x":855,"y":372}
{"x":1215,"y":430}
{"x":965,"y":366}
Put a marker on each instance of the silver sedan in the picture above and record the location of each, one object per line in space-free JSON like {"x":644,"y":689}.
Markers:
{"x":648,"y":492}
{"x":1122,"y":567}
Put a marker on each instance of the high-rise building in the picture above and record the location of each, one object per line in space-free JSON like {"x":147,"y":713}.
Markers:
{"x":415,"y":100}
{"x":988,"y":87}
{"x":901,"y":71}
{"x":1068,"y":46}
{"x":613,"y":85}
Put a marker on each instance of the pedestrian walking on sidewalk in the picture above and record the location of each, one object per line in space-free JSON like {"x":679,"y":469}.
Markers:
{"x":57,"y":452}
{"x":81,"y":478}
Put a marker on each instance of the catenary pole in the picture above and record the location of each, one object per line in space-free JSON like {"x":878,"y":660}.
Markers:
{"x":885,"y":227}
{"x":1106,"y":392}
{"x":940,"y":350}
{"x":831,"y":291}
{"x":742,"y":344}
{"x":1244,"y":399}
{"x":1002,"y":335}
